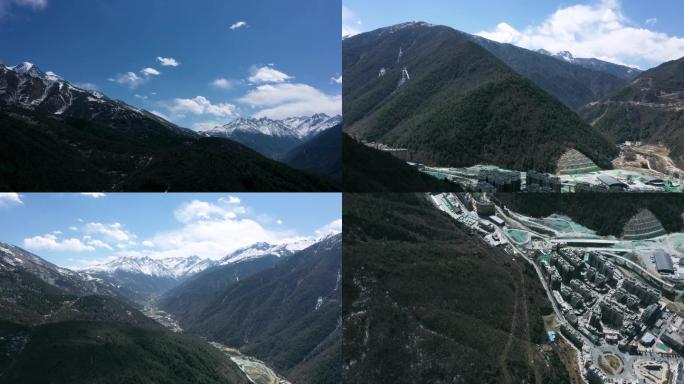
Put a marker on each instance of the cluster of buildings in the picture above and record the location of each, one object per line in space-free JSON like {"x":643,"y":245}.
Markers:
{"x":498,"y":180}
{"x":542,"y":182}
{"x":597,"y":302}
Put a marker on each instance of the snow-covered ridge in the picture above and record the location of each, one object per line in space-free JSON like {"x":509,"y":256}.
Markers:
{"x":176,"y":267}
{"x":28,"y":87}
{"x":262,"y":249}
{"x":302,"y":127}
{"x":181,"y":267}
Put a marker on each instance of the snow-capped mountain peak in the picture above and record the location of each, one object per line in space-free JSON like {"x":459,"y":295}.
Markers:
{"x":301,"y":127}
{"x":176,"y":267}
{"x":261,"y":249}
{"x":565,"y":55}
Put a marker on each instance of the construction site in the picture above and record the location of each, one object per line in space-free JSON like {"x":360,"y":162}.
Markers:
{"x":617,"y":300}
{"x":575,"y":172}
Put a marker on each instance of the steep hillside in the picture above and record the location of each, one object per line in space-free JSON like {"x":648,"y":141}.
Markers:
{"x":573,"y":81}
{"x":59,"y":137}
{"x":606,"y":214}
{"x":368,"y":170}
{"x":188,"y":299}
{"x":650,"y":109}
{"x":321,"y":155}
{"x":108,"y":352}
{"x":423,"y":302}
{"x":53,"y":329}
{"x":287,"y":315}
{"x":451,"y":103}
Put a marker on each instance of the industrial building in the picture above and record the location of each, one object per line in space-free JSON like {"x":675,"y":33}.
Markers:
{"x":496,"y":220}
{"x":643,"y":225}
{"x":484,"y":207}
{"x":542,"y":182}
{"x":613,"y":184}
{"x":663,"y":262}
{"x":574,"y":162}
{"x":653,"y":181}
{"x":674,"y":340}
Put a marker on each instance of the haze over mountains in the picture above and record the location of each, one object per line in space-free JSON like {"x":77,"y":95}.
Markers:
{"x":81,"y":140}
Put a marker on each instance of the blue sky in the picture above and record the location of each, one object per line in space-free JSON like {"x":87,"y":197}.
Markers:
{"x":289,"y":49}
{"x":633,"y":32}
{"x":76,"y":230}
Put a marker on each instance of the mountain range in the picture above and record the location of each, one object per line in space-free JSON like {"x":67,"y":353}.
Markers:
{"x":57,"y":136}
{"x":450,"y":99}
{"x":649,"y":109}
{"x":141,"y":279}
{"x":622,"y":71}
{"x":100,"y":336}
{"x":308,"y":143}
{"x":287,"y":313}
{"x":43,"y":304}
{"x":285,"y":134}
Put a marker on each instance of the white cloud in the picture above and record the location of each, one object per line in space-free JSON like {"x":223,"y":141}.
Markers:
{"x":132,"y":80}
{"x":351,"y":24}
{"x":129,"y":79}
{"x":598,"y":30}
{"x":222,"y":83}
{"x":87,"y":86}
{"x":330,"y":228}
{"x":239,"y":24}
{"x":230,"y":200}
{"x":279,"y":222}
{"x":336,"y":79}
{"x":8,"y":199}
{"x":148,"y":244}
{"x":99,"y":244}
{"x":73,"y":228}
{"x":267,"y":75}
{"x":168,"y":61}
{"x":211,"y":229}
{"x":35,"y":4}
{"x":51,"y":242}
{"x":113,"y":231}
{"x":202,"y":210}
{"x":652,"y":21}
{"x":150,"y":72}
{"x":279,"y":101}
{"x":200,"y":105}
{"x":94,"y":195}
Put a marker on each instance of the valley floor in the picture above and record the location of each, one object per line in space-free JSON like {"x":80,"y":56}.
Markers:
{"x":256,"y":370}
